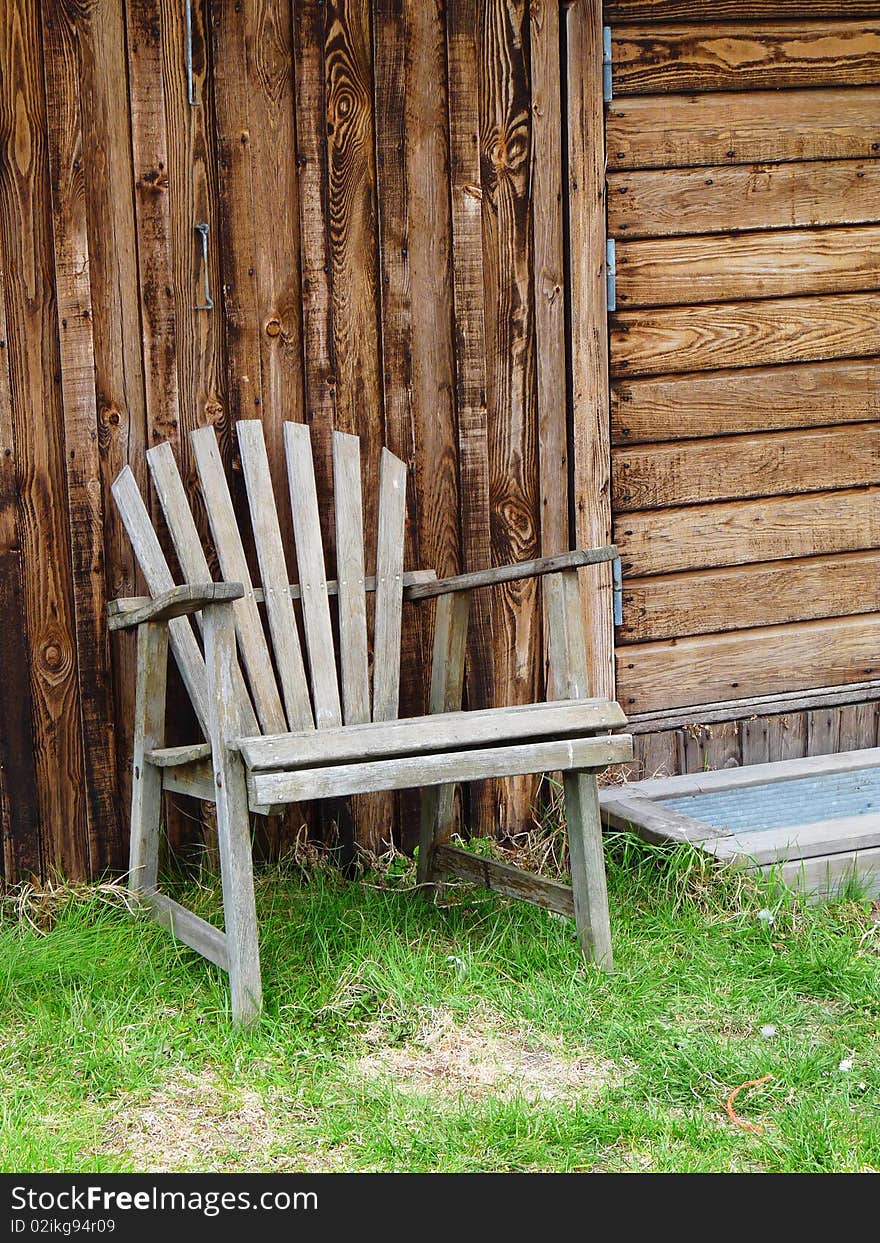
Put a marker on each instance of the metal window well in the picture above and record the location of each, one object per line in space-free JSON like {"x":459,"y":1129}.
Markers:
{"x":815,"y":822}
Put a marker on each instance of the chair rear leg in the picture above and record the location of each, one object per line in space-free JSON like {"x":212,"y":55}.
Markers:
{"x":588,"y":867}
{"x":233,"y":818}
{"x":149,"y":732}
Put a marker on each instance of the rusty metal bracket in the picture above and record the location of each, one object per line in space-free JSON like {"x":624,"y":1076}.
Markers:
{"x":208,"y":304}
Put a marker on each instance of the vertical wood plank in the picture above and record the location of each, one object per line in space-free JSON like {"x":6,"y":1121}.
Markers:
{"x":80,"y":429}
{"x":466,"y":195}
{"x":233,"y":819}
{"x":590,"y":443}
{"x":233,"y":562}
{"x":312,"y":575}
{"x":823,"y":731}
{"x":657,"y":755}
{"x":436,"y":493}
{"x":858,"y":726}
{"x":319,"y":354}
{"x":390,"y":85}
{"x":149,"y":732}
{"x":353,"y":644}
{"x":787,"y":736}
{"x":389,"y":587}
{"x":19,"y":811}
{"x":274,"y":574}
{"x":36,"y":416}
{"x":116,"y":323}
{"x":505,"y":180}
{"x":707,"y":747}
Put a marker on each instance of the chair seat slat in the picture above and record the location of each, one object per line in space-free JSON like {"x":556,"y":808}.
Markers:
{"x":353,"y":643}
{"x":233,"y":563}
{"x":188,"y":545}
{"x":154,"y":568}
{"x":389,"y":587}
{"x":312,"y":576}
{"x":273,"y":571}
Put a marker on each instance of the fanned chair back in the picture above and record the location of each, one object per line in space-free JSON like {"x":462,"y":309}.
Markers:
{"x":289,"y":679}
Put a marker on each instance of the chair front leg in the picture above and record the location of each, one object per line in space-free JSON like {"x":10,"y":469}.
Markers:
{"x":149,"y":732}
{"x":233,"y":817}
{"x":568,"y":658}
{"x":447,"y":684}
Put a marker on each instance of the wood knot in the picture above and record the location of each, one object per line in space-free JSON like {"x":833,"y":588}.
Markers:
{"x":273,"y":327}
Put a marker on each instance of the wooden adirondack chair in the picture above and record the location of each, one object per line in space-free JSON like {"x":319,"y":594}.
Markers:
{"x":271,"y":743}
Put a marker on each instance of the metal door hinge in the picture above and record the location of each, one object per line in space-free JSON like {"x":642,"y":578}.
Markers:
{"x":607,"y":84}
{"x":617,"y":590}
{"x":611,"y":273}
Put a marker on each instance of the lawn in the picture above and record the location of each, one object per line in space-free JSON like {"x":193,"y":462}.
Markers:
{"x":399,"y":1035}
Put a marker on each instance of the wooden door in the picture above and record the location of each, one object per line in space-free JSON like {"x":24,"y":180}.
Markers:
{"x":743,"y":193}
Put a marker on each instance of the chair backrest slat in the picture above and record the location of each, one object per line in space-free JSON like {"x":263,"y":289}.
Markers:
{"x":389,"y":587}
{"x":157,"y":574}
{"x":312,"y":576}
{"x":353,"y":642}
{"x":233,"y":563}
{"x":190,"y":553}
{"x":273,"y":572}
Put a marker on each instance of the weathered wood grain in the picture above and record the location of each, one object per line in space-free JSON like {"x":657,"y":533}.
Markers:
{"x":36,"y":420}
{"x":716,"y":403}
{"x":670,"y":271}
{"x":116,"y":326}
{"x":732,"y":10}
{"x":353,"y":640}
{"x":177,"y":602}
{"x":736,"y":334}
{"x":591,"y":481}
{"x":756,"y":56}
{"x":19,"y":811}
{"x":739,"y":532}
{"x":505,"y":879}
{"x":389,"y":588}
{"x":511,"y":573}
{"x":660,"y":131}
{"x":512,"y":413}
{"x":407,"y":772}
{"x":191,"y":929}
{"x":85,"y":502}
{"x":149,"y":732}
{"x":736,"y":467}
{"x":446,"y":728}
{"x":273,"y":571}
{"x":669,"y":202}
{"x":670,"y":606}
{"x":676,"y":673}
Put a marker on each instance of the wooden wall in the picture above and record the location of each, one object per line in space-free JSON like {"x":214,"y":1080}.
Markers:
{"x":381,"y":182}
{"x":744,"y":199}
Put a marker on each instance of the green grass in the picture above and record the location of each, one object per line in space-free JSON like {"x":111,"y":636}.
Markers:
{"x":116,"y":1052}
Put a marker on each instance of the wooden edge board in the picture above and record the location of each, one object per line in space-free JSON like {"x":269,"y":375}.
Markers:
{"x":194,"y":779}
{"x":125,"y":605}
{"x":798,"y":841}
{"x":194,"y":931}
{"x":564,"y":754}
{"x":743,"y":709}
{"x":178,"y":602}
{"x":504,"y":878}
{"x":653,"y":823}
{"x":437,"y":732}
{"x":826,"y":875}
{"x":174,"y":757}
{"x":751,"y":775}
{"x":512,"y":573}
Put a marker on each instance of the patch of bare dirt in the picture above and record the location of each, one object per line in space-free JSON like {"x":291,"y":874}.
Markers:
{"x":487,"y":1057}
{"x":196,"y":1122}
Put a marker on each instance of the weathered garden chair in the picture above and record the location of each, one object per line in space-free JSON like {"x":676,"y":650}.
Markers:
{"x":333,"y":733}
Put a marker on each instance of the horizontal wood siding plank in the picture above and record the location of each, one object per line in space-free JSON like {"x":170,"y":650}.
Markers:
{"x":670,"y":271}
{"x":653,"y":676}
{"x":751,"y":399}
{"x":657,"y":11}
{"x":671,"y":202}
{"x":660,"y":131}
{"x":740,"y":532}
{"x":735,"y":334}
{"x":670,"y":606}
{"x":731,"y":467}
{"x":748,"y":57}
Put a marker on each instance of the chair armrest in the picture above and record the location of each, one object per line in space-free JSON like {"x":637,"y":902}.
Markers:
{"x":135,"y":610}
{"x":511,"y":573}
